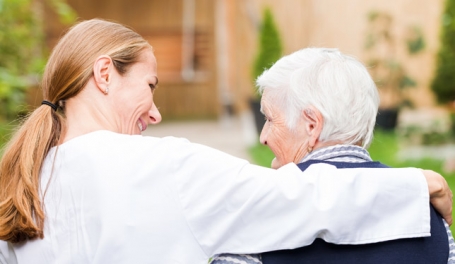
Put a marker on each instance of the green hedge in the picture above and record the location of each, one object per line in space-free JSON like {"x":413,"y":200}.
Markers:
{"x":444,"y":81}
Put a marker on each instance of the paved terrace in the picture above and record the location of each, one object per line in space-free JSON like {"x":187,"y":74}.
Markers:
{"x":232,"y":135}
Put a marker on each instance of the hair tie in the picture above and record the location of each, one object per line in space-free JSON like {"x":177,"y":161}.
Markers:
{"x":53,"y":106}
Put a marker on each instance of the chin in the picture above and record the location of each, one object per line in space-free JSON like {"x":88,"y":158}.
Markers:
{"x":135,"y":131}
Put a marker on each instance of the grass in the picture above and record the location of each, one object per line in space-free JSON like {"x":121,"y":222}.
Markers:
{"x":384,"y":149}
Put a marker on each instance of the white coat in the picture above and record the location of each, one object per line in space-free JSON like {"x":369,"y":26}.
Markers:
{"x":116,"y":198}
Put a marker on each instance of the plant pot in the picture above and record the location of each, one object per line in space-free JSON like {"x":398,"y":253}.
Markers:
{"x":387,"y":118}
{"x":259,"y":120}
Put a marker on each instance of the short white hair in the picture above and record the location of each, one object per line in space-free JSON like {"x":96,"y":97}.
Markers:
{"x":337,"y":85}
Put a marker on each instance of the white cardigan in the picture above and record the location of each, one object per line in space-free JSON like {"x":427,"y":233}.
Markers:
{"x":116,"y":198}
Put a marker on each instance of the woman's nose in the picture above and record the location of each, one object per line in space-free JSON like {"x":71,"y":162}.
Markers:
{"x":154,"y":114}
{"x":263,"y":136}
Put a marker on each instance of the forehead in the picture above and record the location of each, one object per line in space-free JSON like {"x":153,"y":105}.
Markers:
{"x":267,"y":102}
{"x":148,"y":59}
{"x":146,"y":64}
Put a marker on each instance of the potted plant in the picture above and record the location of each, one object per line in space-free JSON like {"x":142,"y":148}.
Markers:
{"x":389,"y":74}
{"x":270,"y":50}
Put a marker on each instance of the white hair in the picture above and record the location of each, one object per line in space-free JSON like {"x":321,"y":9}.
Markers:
{"x":338,"y":86}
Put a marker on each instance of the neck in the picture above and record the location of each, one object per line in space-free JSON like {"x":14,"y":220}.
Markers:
{"x":87,"y":113}
{"x":303,"y":149}
{"x":325,"y":144}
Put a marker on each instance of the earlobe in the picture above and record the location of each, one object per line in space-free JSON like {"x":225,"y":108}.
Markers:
{"x":102,"y":71}
{"x":313,"y":125}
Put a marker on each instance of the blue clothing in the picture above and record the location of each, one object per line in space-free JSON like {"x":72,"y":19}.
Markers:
{"x":434,"y":249}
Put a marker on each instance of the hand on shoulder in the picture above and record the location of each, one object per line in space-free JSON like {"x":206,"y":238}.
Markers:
{"x":440,"y":194}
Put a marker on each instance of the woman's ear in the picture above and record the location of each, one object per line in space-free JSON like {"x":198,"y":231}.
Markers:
{"x":102,"y":72}
{"x":314,"y":122}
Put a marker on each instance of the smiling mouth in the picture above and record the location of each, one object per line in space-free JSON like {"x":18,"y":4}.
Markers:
{"x":141,"y":125}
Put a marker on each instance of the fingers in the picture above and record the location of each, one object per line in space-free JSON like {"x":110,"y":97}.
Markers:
{"x":440,"y":194}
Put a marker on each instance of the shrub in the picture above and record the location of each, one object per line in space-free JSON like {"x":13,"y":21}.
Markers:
{"x":270,"y":48}
{"x":443,"y":83}
{"x":22,"y":49}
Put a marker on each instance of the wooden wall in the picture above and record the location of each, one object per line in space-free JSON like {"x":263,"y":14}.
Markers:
{"x":160,"y":23}
{"x":226,"y":42}
{"x":342,"y":25}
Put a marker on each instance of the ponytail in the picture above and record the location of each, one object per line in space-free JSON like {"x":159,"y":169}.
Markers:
{"x":67,"y":72}
{"x":21,"y":208}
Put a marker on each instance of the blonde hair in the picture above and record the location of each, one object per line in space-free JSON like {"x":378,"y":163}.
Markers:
{"x":68,"y":70}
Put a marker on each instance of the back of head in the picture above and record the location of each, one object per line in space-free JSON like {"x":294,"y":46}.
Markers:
{"x":68,"y":70}
{"x":70,"y":65}
{"x":337,"y":85}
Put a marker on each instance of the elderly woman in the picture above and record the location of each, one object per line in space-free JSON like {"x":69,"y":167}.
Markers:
{"x":79,"y":184}
{"x":320,"y":107}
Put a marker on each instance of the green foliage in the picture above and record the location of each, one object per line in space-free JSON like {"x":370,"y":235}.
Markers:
{"x":389,"y":73}
{"x":66,"y":14}
{"x":12,"y":94}
{"x":22,"y":50}
{"x":406,"y":81}
{"x":261,"y":155}
{"x":20,"y":36}
{"x":415,"y":41}
{"x":270,"y":48}
{"x":433,"y":135}
{"x":443,"y":83}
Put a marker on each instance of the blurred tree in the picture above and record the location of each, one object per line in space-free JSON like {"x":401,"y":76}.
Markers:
{"x":444,"y":81}
{"x":270,"y":48}
{"x":22,"y":49}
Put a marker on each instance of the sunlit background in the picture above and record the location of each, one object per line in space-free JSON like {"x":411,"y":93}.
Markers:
{"x":210,"y":51}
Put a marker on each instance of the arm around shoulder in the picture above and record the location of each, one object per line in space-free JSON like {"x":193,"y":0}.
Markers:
{"x":232,"y":206}
{"x":440,"y":194}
